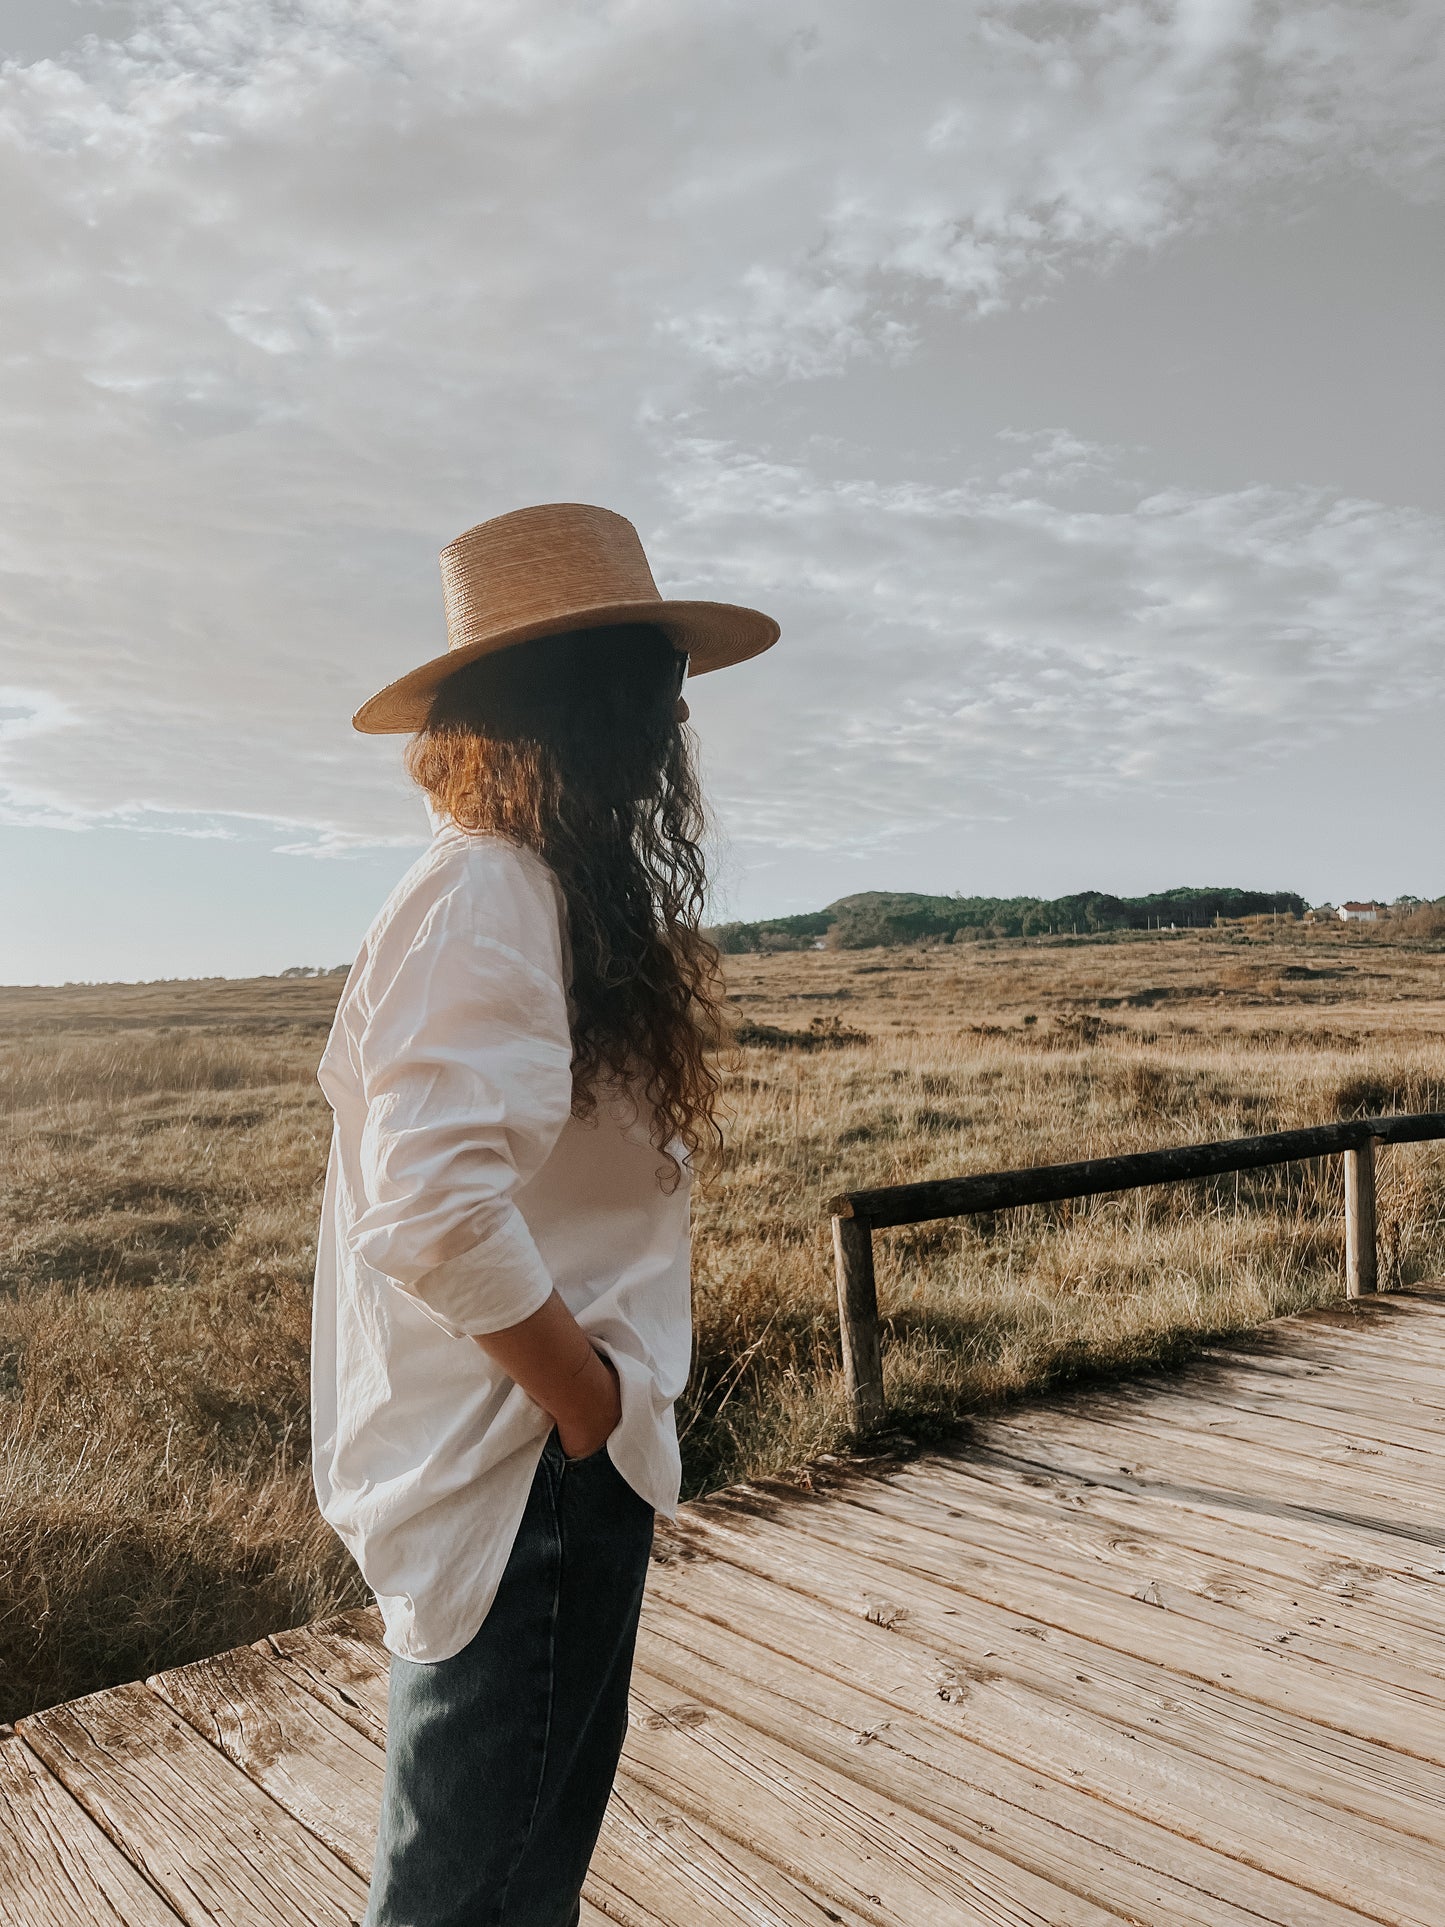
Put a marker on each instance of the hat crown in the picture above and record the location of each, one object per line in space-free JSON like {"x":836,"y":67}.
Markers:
{"x":536,"y":565}
{"x":540,"y":570}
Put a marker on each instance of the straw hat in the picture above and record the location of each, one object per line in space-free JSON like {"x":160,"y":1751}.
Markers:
{"x":537,"y":571}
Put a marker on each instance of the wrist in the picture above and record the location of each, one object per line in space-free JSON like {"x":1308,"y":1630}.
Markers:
{"x":592,"y":1412}
{"x":591,"y":1385}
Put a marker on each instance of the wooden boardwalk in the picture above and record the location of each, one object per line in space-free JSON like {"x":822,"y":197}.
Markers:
{"x":1168,"y":1653}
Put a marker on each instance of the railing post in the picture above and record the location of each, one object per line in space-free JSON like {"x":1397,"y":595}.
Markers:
{"x":1361,"y":1268}
{"x":858,"y":1322}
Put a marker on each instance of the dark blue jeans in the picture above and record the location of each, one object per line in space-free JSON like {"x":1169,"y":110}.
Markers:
{"x":500,"y":1759}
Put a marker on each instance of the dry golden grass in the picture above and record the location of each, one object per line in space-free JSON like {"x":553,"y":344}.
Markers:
{"x":165,"y":1145}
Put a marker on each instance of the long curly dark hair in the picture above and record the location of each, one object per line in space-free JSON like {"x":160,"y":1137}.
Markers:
{"x":571,"y":746}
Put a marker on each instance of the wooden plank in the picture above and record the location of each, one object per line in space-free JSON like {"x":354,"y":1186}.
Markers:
{"x":733,"y":1789}
{"x":1287,"y":1448}
{"x":1418,"y":1383}
{"x":312,"y":1762}
{"x":1211,"y":1562}
{"x":872,"y":1857}
{"x":1410,"y":1354}
{"x":1296,"y":1355}
{"x":1333,"y":1403}
{"x":1306,"y":1538}
{"x":924,"y":1527}
{"x":342,"y":1662}
{"x":352,"y":1665}
{"x":1230,"y":1558}
{"x":220,"y":1850}
{"x":1353,"y":1459}
{"x":1339,"y":1359}
{"x":1208,"y":1472}
{"x":1078,"y":1735}
{"x":1182,"y":1501}
{"x":655,"y":1866}
{"x":1402,"y":1711}
{"x":1386,"y":1318}
{"x":1166,"y":1652}
{"x":1416,"y":1391}
{"x":1058,"y":1831}
{"x":1208,"y":1469}
{"x":1418,"y":1305}
{"x":1391,"y":1515}
{"x":1294,"y":1369}
{"x":1318,"y":1393}
{"x":57,"y":1867}
{"x":1296,"y":1800}
{"x":1199,"y":1518}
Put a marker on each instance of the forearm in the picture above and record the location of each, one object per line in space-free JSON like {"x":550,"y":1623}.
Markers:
{"x":552,"y":1359}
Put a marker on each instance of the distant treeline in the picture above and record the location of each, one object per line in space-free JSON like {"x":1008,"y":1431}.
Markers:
{"x":876,"y":917}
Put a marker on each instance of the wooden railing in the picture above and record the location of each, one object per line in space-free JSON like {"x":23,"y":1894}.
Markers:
{"x":858,"y":1214}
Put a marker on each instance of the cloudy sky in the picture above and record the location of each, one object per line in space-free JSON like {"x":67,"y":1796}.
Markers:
{"x":1064,"y":377}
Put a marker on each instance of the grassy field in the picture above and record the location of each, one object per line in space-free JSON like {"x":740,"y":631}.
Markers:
{"x":164,"y":1151}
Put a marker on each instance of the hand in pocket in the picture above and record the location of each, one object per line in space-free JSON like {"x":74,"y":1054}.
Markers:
{"x":586,"y":1431}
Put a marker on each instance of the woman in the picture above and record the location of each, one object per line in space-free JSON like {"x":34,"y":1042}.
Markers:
{"x":501,"y":1319}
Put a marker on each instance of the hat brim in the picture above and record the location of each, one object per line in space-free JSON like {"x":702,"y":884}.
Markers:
{"x":713,"y":635}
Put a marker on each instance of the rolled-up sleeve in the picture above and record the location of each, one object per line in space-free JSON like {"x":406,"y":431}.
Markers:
{"x":465,"y":1061}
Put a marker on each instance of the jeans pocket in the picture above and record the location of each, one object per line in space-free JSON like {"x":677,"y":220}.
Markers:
{"x":588,"y":1458}
{"x":553,"y":1447}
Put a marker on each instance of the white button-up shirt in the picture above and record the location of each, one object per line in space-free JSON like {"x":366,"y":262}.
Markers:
{"x":459,"y":1190}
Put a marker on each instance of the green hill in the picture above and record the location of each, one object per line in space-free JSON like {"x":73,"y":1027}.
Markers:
{"x":900,"y":916}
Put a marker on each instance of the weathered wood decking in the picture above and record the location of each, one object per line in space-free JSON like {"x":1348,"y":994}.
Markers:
{"x":1169,"y":1653}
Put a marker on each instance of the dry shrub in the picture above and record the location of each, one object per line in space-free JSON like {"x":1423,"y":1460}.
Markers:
{"x":1427,"y":921}
{"x":1408,"y":1087}
{"x":823,"y":1033}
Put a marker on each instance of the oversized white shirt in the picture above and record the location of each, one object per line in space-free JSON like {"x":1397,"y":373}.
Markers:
{"x":459,"y":1190}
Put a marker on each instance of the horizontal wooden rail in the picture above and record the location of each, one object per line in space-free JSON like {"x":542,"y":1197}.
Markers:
{"x":895,"y":1204}
{"x":858,"y":1214}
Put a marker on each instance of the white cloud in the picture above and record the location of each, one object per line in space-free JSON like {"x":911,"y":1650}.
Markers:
{"x":293,"y":293}
{"x":958,"y":651}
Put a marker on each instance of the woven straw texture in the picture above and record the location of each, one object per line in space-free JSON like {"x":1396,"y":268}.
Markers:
{"x":537,"y":571}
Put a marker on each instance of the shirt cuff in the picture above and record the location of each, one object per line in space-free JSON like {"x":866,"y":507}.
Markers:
{"x":494,"y":1285}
